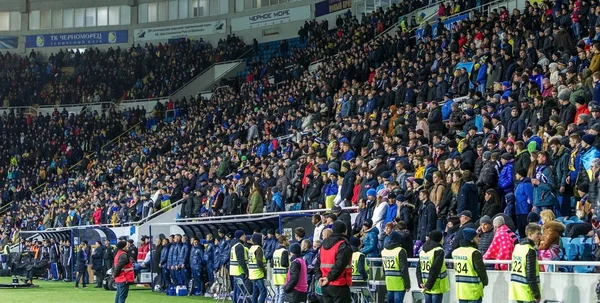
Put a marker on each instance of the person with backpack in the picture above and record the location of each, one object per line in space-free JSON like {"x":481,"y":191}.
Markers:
{"x":543,"y":185}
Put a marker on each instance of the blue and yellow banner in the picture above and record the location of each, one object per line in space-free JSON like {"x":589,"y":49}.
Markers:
{"x":75,"y":39}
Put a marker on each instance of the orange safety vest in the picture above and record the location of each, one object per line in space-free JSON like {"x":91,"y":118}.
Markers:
{"x":328,"y":259}
{"x":126,"y":275}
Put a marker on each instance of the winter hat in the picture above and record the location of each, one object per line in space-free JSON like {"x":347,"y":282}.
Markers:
{"x":533,"y":217}
{"x":339,"y":227}
{"x":275,"y":189}
{"x":466,"y":213}
{"x":498,"y":221}
{"x":435,"y":236}
{"x":296,"y":249}
{"x":522,"y":172}
{"x":589,"y":139}
{"x":564,"y":94}
{"x":238,"y":234}
{"x":257,"y":239}
{"x":355,"y":242}
{"x":371,"y":192}
{"x":584,"y":187}
{"x":368,"y":223}
{"x":507,"y":156}
{"x":555,"y":118}
{"x":395,"y":237}
{"x":487,"y":155}
{"x":486,"y":219}
{"x":580,"y":100}
{"x":469,"y":234}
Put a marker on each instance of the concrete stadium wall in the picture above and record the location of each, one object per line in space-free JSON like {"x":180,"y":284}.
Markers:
{"x":284,"y":31}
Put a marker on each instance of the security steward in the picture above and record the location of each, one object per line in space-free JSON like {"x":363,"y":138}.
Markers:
{"x":296,"y":286}
{"x":359,"y":264}
{"x":238,"y":258}
{"x":123,"y":271}
{"x":470,"y":273}
{"x":280,"y":265}
{"x":335,"y":266}
{"x":431,"y":272}
{"x":257,"y":269}
{"x":395,"y":267}
{"x":525,"y":270}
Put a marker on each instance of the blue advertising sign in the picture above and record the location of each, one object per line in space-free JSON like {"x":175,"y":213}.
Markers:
{"x":74,"y":39}
{"x":447,"y":24}
{"x":330,"y":6}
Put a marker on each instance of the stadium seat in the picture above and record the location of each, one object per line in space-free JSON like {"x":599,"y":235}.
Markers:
{"x":571,"y":251}
{"x":564,"y":241}
{"x":583,"y":269}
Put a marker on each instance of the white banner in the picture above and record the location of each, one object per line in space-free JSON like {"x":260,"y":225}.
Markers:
{"x":180,"y":31}
{"x":271,"y":18}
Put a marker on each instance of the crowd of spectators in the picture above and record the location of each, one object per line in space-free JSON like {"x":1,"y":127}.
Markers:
{"x":138,"y":72}
{"x":370,"y":130}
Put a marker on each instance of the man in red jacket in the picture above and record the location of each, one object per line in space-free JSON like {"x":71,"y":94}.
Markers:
{"x":144,"y":249}
{"x":123,"y":272}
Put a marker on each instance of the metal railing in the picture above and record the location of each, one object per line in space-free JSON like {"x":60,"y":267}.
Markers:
{"x":258,"y":215}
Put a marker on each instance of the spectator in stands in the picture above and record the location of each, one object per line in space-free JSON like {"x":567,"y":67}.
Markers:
{"x":486,"y":234}
{"x":371,"y":240}
{"x":427,"y":216}
{"x":543,"y":185}
{"x":503,"y":243}
{"x":466,"y":221}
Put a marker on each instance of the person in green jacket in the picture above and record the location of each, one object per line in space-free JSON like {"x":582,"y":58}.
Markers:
{"x":256,"y":200}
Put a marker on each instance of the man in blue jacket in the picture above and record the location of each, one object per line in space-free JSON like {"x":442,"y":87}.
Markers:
{"x":524,"y":199}
{"x":163,"y":264}
{"x":209,"y":258}
{"x":270,"y":244}
{"x":173,"y":259}
{"x":196,"y":261}
{"x":543,"y":185}
{"x":183,"y":261}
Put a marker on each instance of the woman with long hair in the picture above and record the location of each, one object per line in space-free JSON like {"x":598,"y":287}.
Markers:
{"x":255,"y":205}
{"x":531,"y":170}
{"x":445,"y":204}
{"x":492,"y":204}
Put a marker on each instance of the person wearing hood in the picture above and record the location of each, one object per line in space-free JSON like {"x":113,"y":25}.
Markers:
{"x":503,"y":243}
{"x":296,"y":285}
{"x":276,"y":201}
{"x":471,"y":274}
{"x":238,"y":267}
{"x":280,"y":263}
{"x":525,"y":270}
{"x":431,"y":271}
{"x":257,"y":269}
{"x":371,"y":240}
{"x":359,"y":263}
{"x":334,"y":262}
{"x":395,"y":266}
{"x":549,"y":247}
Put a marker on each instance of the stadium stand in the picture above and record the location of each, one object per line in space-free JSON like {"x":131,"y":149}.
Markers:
{"x":490,"y":122}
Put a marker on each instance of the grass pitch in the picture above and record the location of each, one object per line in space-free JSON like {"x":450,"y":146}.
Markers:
{"x":61,"y":292}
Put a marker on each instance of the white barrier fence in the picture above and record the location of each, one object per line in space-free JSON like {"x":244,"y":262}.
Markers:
{"x":567,"y":287}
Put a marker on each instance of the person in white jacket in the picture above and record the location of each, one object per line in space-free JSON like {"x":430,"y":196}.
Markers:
{"x":380,"y":212}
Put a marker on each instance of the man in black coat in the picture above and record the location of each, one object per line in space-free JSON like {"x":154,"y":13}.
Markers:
{"x":83,"y":260}
{"x":435,"y":118}
{"x":427,"y":216}
{"x":109,"y":255}
{"x":344,"y":217}
{"x":465,"y":218}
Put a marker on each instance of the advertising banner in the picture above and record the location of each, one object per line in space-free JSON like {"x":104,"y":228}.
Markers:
{"x":447,"y":24}
{"x":271,"y":18}
{"x":76,"y":39}
{"x":8,"y":42}
{"x":331,"y":6}
{"x":180,"y":31}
